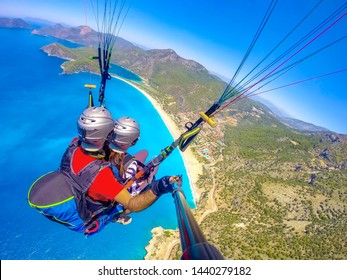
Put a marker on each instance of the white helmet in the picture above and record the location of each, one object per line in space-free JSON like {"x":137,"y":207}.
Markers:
{"x":125,"y":134}
{"x":94,"y":125}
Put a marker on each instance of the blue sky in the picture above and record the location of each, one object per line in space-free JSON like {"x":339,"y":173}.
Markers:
{"x":217,"y":35}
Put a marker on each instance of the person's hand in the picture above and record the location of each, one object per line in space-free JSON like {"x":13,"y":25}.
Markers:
{"x":151,"y":175}
{"x":165,"y":184}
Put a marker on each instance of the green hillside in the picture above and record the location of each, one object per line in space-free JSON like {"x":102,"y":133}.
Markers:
{"x":279,"y":196}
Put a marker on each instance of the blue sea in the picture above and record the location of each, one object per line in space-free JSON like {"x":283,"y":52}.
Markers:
{"x":39,"y":108}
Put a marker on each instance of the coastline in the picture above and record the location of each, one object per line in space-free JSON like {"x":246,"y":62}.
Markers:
{"x":162,"y":241}
{"x":192,"y":165}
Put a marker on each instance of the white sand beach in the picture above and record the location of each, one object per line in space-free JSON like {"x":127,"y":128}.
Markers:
{"x":160,"y":245}
{"x":192,"y":165}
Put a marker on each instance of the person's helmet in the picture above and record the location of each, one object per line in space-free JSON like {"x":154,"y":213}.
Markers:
{"x":125,"y":134}
{"x":94,"y":125}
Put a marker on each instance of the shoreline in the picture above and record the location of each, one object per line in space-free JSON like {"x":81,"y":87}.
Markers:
{"x":160,"y":245}
{"x":191,"y":163}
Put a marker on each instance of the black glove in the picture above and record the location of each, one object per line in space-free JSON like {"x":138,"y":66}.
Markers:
{"x":162,"y":186}
{"x":165,"y":184}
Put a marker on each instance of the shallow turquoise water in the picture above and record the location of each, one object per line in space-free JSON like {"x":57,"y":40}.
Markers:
{"x":39,"y":109}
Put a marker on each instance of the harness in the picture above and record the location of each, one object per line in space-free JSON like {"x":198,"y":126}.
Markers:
{"x":88,"y":209}
{"x":62,"y":196}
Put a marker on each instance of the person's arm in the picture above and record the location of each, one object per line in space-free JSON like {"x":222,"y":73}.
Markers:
{"x":136,"y":203}
{"x":146,"y":198}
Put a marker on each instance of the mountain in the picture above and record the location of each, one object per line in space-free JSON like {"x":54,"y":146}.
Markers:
{"x":59,"y":51}
{"x":83,"y":35}
{"x":183,"y":81}
{"x":277,"y":111}
{"x":288,"y":120}
{"x":14,"y":23}
{"x":301,"y":125}
{"x":38,"y":23}
{"x":223,"y":78}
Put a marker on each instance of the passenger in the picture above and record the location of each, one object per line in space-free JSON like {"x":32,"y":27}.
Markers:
{"x":126,"y":133}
